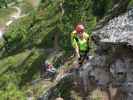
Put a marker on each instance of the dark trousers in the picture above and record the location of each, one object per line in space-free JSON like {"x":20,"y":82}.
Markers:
{"x":83,"y":56}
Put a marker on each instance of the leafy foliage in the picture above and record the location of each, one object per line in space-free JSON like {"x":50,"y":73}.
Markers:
{"x":16,"y":36}
{"x":53,"y":20}
{"x":100,"y":7}
{"x":131,"y":3}
{"x":4,"y":3}
{"x":11,"y":92}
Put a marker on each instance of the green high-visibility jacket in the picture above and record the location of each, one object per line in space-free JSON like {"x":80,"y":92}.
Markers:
{"x":82,"y":44}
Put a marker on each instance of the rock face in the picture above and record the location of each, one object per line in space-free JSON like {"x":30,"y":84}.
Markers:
{"x":118,"y":30}
{"x":114,"y":52}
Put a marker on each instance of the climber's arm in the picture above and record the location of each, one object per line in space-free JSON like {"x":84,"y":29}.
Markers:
{"x":74,"y":44}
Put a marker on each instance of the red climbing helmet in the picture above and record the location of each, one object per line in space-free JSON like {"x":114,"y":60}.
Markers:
{"x":80,"y":28}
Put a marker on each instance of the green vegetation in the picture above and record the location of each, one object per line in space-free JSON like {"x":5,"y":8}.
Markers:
{"x":5,"y":14}
{"x":131,"y":3}
{"x":18,"y":70}
{"x":9,"y":78}
{"x":25,"y":7}
{"x":5,"y":3}
{"x":101,"y":7}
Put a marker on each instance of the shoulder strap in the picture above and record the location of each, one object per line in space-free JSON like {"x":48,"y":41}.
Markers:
{"x":77,"y":40}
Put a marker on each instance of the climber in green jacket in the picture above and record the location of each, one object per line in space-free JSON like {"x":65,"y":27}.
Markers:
{"x":81,"y":43}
